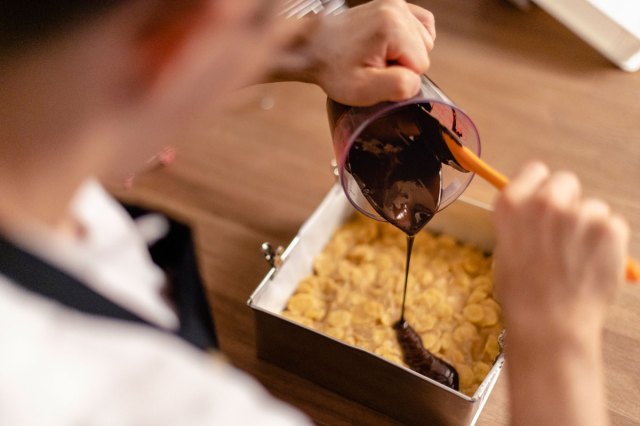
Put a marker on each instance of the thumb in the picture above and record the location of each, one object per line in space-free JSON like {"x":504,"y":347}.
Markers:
{"x":393,"y":83}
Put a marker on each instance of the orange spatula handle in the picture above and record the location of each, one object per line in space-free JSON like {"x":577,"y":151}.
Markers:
{"x":473,"y":163}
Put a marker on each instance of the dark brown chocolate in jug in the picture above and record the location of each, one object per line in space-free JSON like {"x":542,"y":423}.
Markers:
{"x":394,"y":165}
{"x":397,"y":163}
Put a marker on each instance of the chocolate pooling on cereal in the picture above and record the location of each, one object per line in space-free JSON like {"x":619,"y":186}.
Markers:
{"x":353,"y":293}
{"x":420,"y":360}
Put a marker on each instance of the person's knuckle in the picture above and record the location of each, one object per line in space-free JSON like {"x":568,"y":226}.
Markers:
{"x":507,"y":203}
{"x":429,"y":43}
{"x":595,"y":217}
{"x":430,"y":18}
{"x":391,"y":3}
{"x":427,"y":62}
{"x":566,"y":178}
{"x":595,"y":205}
{"x":619,"y":227}
{"x":389,"y":19}
{"x":531,"y":171}
{"x":562,"y":184}
{"x":537,"y":167}
{"x":560,"y":187}
{"x":404,"y":85}
{"x":545,"y":202}
{"x":601,"y":231}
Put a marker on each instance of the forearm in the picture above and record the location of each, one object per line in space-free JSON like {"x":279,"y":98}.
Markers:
{"x":298,"y":60}
{"x":556,"y":378}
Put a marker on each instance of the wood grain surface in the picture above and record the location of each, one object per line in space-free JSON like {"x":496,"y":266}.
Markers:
{"x":535,"y":91}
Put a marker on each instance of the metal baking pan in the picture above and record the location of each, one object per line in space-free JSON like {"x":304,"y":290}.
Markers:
{"x":350,"y":371}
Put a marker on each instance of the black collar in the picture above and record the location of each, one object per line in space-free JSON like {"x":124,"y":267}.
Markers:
{"x":174,"y":253}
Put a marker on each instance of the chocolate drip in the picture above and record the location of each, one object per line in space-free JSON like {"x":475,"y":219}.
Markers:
{"x":397,"y":163}
{"x":406,"y":275}
{"x":421,"y":360}
{"x":454,"y":126}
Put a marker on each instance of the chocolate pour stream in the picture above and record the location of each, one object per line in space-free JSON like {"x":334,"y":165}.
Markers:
{"x":397,"y":163}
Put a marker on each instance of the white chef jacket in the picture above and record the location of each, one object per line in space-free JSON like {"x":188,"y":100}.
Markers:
{"x":62,"y":367}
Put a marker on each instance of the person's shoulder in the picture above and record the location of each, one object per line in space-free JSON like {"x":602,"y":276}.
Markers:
{"x":60,"y":366}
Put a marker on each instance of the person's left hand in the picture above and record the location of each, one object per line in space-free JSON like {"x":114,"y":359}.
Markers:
{"x":368,"y":54}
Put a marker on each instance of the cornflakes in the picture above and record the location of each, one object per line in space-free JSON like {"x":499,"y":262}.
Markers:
{"x":355,"y":294}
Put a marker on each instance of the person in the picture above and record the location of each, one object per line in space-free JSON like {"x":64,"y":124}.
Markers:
{"x":91,"y":90}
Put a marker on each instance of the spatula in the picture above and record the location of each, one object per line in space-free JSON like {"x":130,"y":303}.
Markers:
{"x":469,"y":161}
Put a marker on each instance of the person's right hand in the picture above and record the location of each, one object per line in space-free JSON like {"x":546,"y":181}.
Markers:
{"x":559,"y":257}
{"x":374,"y":52}
{"x":367,"y":54}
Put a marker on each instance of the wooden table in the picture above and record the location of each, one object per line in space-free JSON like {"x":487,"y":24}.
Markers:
{"x":535,"y":90}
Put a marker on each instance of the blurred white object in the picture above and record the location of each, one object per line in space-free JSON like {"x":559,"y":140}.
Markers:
{"x":152,"y":227}
{"x":300,"y":8}
{"x":612,"y":27}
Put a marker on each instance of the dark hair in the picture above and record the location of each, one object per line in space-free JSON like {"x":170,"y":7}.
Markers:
{"x":24,"y":22}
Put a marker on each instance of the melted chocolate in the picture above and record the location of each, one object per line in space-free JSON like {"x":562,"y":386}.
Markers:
{"x":394,"y":163}
{"x":454,"y":126}
{"x":410,"y":239}
{"x":421,"y":360}
{"x":397,"y":163}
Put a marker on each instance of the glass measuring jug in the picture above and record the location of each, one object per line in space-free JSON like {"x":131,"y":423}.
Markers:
{"x":415,"y":117}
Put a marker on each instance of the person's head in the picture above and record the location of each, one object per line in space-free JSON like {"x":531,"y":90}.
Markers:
{"x":120,"y":75}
